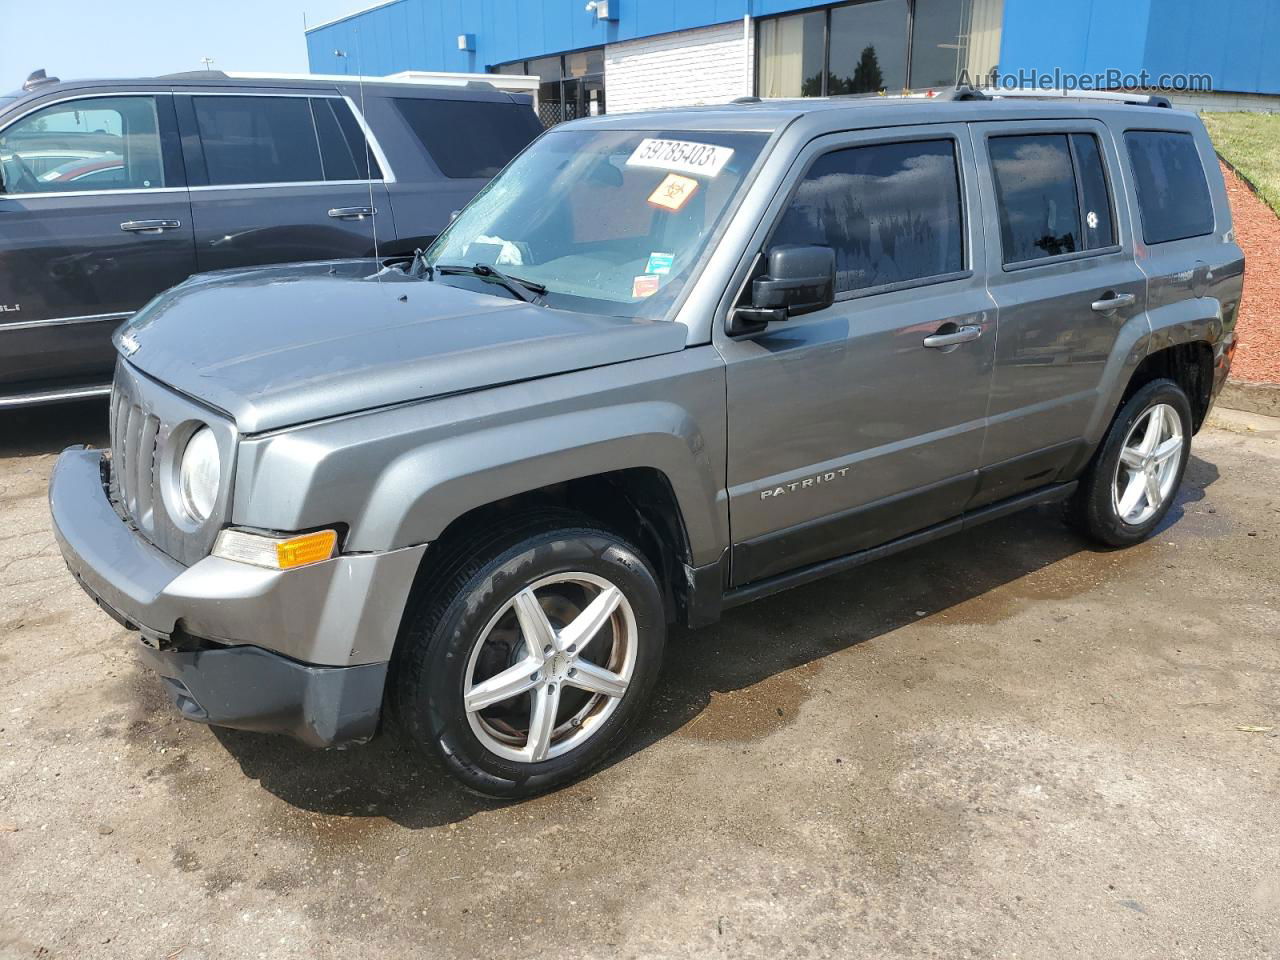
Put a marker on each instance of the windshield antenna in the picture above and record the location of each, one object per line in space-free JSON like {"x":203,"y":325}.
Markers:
{"x":364,"y":133}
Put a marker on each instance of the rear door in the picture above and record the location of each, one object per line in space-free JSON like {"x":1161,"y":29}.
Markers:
{"x":94,"y":222}
{"x":1061,"y":270}
{"x":278,"y":177}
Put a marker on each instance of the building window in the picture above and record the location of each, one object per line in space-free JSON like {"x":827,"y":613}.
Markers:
{"x":868,"y":48}
{"x":572,"y":84}
{"x":876,"y":46}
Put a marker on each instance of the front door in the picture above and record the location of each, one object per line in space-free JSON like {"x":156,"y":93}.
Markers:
{"x":94,"y":222}
{"x":864,"y":421}
{"x":279,"y":178}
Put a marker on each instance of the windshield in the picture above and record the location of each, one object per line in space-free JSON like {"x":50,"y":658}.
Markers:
{"x":608,"y":222}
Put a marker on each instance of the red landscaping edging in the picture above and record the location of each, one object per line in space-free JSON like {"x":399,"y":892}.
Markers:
{"x":1257,"y":357}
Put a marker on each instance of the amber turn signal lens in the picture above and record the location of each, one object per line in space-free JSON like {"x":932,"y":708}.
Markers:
{"x":308,"y":548}
{"x":276,"y":553}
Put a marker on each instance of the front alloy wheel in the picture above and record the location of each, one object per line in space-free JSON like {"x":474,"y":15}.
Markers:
{"x":530,"y":655}
{"x":574,"y":635}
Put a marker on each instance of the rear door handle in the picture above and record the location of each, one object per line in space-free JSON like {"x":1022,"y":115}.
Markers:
{"x":1111,"y":302}
{"x":150,"y":226}
{"x":960,"y":335}
{"x":352,"y":213}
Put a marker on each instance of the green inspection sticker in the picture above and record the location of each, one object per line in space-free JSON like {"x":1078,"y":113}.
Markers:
{"x":660,"y":263}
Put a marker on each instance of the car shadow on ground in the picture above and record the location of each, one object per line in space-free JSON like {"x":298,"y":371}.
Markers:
{"x":752,"y":648}
{"x":31,"y":431}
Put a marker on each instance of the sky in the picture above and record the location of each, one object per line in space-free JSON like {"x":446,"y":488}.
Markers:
{"x":134,"y":38}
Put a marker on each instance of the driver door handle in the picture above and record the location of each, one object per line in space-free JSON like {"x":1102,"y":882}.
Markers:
{"x":150,"y":226}
{"x":1112,"y":302}
{"x":352,"y":213}
{"x":959,"y":335}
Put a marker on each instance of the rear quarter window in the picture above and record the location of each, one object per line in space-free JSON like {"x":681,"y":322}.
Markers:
{"x":469,"y":139}
{"x":1173,"y":195}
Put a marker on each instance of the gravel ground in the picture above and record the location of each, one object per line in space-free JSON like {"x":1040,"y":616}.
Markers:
{"x":1006,"y":744}
{"x":1258,"y":233}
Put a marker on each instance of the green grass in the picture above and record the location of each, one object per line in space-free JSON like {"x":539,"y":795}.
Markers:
{"x":1251,"y":143}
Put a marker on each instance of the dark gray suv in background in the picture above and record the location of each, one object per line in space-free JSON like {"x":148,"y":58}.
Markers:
{"x":113,"y":191}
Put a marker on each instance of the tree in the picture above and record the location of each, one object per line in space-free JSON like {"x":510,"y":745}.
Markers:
{"x":867,"y":76}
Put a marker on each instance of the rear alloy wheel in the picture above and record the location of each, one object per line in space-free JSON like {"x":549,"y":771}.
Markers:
{"x":1149,"y":465}
{"x":531,"y":659}
{"x":1133,"y":479}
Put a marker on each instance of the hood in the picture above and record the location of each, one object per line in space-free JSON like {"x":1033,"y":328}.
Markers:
{"x":276,"y":346}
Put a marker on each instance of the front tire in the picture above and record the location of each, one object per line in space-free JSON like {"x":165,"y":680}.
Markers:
{"x":530,"y":665}
{"x":1132,"y":481}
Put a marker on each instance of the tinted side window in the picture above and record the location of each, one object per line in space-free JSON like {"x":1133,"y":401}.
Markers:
{"x":258,"y":139}
{"x":1036,"y":196}
{"x":343,"y":151}
{"x":1173,"y":197}
{"x":468,"y":138}
{"x":96,"y":143}
{"x":890,"y":211}
{"x":1095,"y":199}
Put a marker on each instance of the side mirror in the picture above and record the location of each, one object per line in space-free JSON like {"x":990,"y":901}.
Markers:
{"x":800,"y":280}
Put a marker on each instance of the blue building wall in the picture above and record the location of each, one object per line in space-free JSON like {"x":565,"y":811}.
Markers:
{"x":1236,"y":41}
{"x":422,"y":34}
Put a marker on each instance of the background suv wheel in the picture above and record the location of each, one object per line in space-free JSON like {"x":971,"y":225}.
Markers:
{"x":1133,"y":479}
{"x":530,"y":661}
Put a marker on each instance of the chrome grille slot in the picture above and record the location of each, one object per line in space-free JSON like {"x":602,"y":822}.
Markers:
{"x":144,"y":483}
{"x":134,"y":436}
{"x":146,"y":419}
{"x":128,"y":463}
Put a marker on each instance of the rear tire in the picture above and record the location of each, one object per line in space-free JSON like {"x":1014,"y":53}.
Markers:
{"x":1133,"y":479}
{"x":529,"y":664}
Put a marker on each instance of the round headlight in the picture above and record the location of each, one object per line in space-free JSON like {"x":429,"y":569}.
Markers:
{"x":200,"y":475}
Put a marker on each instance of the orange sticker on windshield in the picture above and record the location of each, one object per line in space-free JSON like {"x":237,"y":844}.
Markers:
{"x":645,"y":286}
{"x":673,"y":192}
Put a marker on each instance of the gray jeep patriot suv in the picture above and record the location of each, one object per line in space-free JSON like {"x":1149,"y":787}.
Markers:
{"x":663,"y":365}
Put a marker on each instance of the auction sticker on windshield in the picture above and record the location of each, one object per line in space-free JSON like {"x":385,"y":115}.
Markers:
{"x":673,"y":192}
{"x":684,"y":156}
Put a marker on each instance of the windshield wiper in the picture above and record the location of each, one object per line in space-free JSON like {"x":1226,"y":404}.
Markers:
{"x":526,"y":290}
{"x":419,"y":266}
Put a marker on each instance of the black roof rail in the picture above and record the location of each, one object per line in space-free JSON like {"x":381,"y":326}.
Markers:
{"x":963,"y":92}
{"x":746,"y":100}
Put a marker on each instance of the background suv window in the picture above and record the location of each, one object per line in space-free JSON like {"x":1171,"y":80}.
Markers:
{"x":1173,"y":197}
{"x":343,"y":151}
{"x":891,"y":212}
{"x":258,"y":139}
{"x":1052,"y":195}
{"x":96,"y":143}
{"x":494,"y":133}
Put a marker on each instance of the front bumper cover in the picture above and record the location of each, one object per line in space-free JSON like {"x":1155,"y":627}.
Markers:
{"x":251,"y":689}
{"x":305,"y":650}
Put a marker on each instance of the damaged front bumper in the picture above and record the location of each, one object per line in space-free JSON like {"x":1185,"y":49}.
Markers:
{"x":302,"y":652}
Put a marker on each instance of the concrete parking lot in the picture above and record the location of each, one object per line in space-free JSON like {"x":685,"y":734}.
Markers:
{"x":1007,"y":744}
